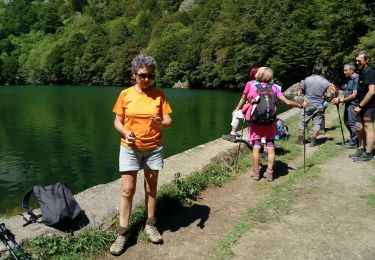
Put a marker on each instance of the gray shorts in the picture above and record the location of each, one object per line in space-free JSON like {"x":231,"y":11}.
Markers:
{"x":315,"y":114}
{"x":135,"y":160}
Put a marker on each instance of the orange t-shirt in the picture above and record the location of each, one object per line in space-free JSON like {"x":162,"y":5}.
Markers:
{"x":137,"y":110}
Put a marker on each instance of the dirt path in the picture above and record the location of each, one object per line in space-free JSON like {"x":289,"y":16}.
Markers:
{"x":330,"y":222}
{"x":333,"y":222}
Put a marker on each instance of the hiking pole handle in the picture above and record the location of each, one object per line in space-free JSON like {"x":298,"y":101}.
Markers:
{"x":7,"y":246}
{"x":10,"y":236}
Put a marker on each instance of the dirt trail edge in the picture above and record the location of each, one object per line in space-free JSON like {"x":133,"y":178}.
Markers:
{"x":330,"y":222}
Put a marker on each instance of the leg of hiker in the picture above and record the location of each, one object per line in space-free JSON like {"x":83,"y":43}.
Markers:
{"x":349,"y":121}
{"x":256,"y":159}
{"x":361,"y":140}
{"x":369,"y":131}
{"x":237,"y":116}
{"x":367,"y":140}
{"x":128,"y":186}
{"x":150,"y":185}
{"x":270,"y":144}
{"x":351,"y":124}
{"x":305,"y":118}
{"x":317,"y":118}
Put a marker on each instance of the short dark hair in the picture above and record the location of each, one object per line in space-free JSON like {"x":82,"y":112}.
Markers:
{"x":365,"y":54}
{"x":318,"y":69}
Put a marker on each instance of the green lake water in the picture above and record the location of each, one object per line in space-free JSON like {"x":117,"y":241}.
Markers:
{"x":66,"y":134}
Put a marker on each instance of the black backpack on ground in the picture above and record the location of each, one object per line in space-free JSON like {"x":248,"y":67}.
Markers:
{"x":265,"y":110}
{"x":58,"y":205}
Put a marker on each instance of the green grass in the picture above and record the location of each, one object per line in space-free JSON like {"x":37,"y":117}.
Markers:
{"x":370,"y":198}
{"x":89,"y":243}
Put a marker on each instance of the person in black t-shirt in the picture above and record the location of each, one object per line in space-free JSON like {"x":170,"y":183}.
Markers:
{"x":365,"y":109}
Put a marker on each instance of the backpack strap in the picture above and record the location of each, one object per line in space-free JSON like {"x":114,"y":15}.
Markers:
{"x":258,"y":85}
{"x":26,"y":206}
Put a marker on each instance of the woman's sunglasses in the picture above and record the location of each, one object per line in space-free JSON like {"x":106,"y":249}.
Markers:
{"x":146,"y":75}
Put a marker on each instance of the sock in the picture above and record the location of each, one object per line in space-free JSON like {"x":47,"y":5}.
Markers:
{"x":151,"y":221}
{"x":123,"y":230}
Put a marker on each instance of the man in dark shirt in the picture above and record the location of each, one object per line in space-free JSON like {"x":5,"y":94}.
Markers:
{"x":365,"y":109}
{"x":351,"y":102}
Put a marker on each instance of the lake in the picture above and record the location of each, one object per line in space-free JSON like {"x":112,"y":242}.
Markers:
{"x":52,"y":134}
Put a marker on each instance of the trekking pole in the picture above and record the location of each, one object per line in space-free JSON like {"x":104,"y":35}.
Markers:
{"x":304,"y":138}
{"x":10,"y":236}
{"x":7,"y":246}
{"x":239,"y":145}
{"x":342,"y":131}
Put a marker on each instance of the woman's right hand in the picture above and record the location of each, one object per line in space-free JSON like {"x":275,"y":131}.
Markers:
{"x":130,"y":138}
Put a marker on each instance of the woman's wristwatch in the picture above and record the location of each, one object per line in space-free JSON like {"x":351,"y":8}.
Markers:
{"x":360,"y":106}
{"x":341,"y":100}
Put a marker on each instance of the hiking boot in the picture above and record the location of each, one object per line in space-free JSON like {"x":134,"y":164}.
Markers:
{"x":118,"y":247}
{"x":268,"y":175}
{"x":152,"y":232}
{"x":255,"y":175}
{"x":230,"y":138}
{"x":366,"y":157}
{"x":349,"y":146}
{"x":313,"y":142}
{"x":357,"y":153}
{"x":300,"y":140}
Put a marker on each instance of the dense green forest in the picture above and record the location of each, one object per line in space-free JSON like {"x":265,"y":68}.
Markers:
{"x":207,"y":43}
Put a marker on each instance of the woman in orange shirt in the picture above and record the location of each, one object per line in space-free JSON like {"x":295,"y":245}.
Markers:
{"x":141,"y":112}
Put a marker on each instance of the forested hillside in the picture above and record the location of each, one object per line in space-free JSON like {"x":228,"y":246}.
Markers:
{"x":208,"y":43}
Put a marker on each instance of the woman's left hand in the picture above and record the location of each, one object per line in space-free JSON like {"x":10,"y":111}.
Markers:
{"x":157,"y":120}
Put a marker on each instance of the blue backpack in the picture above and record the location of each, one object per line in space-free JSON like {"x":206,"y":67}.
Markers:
{"x":282,"y":130}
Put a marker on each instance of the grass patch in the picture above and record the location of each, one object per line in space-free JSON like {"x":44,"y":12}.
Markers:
{"x":89,"y":243}
{"x":370,"y":198}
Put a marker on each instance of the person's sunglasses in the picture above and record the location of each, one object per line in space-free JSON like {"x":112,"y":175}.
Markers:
{"x":145,"y":75}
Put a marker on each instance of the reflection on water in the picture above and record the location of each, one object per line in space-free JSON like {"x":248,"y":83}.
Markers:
{"x":51,"y":134}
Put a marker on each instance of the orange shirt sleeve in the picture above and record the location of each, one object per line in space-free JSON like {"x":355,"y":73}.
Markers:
{"x":119,"y":108}
{"x":165,"y":107}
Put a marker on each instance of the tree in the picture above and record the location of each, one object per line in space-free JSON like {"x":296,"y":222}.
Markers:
{"x":9,"y":70}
